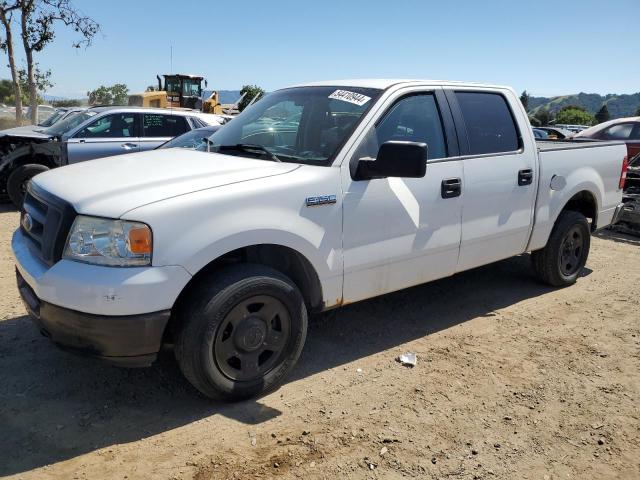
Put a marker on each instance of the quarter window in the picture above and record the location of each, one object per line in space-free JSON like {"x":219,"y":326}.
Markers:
{"x":159,"y":125}
{"x":118,"y":125}
{"x":413,"y":119}
{"x":490,"y":125}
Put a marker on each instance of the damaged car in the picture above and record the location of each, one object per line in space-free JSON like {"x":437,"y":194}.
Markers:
{"x":93,"y":133}
{"x":630,"y":217}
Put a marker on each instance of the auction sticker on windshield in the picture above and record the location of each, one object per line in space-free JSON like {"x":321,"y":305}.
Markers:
{"x":351,"y":97}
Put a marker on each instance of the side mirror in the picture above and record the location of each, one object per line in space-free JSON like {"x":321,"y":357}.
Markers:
{"x":395,"y":159}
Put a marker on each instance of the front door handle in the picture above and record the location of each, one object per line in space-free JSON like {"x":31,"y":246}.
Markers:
{"x":451,"y":187}
{"x":129,"y":146}
{"x":525,"y":177}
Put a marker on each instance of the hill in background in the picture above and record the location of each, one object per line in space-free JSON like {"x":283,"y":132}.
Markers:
{"x":618,"y":105}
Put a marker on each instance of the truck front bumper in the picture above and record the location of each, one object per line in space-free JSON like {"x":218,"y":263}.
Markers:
{"x":126,"y":340}
{"x":118,"y":314}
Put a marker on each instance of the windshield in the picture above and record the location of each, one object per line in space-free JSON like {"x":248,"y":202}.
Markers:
{"x":302,"y":125}
{"x":193,"y":139}
{"x":191,"y":88}
{"x":68,"y":123}
{"x":52,"y":118}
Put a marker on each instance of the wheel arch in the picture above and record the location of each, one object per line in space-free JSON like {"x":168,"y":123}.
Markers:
{"x":284,"y":259}
{"x":584,"y":202}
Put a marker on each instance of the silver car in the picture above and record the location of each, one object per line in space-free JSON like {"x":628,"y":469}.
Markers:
{"x":118,"y":130}
{"x":93,"y":133}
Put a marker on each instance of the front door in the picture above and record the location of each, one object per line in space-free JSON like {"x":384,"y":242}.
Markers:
{"x":106,"y":136}
{"x":400,"y":232}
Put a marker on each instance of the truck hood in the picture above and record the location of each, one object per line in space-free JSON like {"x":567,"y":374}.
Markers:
{"x":111,"y":186}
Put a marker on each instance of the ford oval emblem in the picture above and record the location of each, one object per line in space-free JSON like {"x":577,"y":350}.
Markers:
{"x":27,"y":222}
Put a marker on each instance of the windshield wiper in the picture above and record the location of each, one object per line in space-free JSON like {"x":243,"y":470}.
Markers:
{"x":249,"y":147}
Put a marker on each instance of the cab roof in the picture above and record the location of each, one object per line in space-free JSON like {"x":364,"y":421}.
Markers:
{"x":383,"y":84}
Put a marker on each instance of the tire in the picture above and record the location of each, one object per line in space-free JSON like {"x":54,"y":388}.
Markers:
{"x":18,"y":180}
{"x":227,"y":325}
{"x":561,"y":261}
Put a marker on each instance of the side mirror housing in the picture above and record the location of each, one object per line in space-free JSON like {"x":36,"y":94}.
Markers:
{"x":395,"y":159}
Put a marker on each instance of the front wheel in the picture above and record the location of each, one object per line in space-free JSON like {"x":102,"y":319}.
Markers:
{"x":19,"y":179}
{"x":561,"y":261}
{"x":241,"y":332}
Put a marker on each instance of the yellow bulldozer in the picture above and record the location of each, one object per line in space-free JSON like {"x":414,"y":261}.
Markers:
{"x":179,"y":91}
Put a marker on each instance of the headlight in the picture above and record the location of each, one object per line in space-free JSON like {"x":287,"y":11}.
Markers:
{"x":103,"y":241}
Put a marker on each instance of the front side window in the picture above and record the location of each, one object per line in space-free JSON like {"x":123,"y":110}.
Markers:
{"x":191,"y":88}
{"x":621,"y":131}
{"x":490,"y":125}
{"x":117,"y":125}
{"x":301,"y":125}
{"x":160,"y":125}
{"x":411,"y":119}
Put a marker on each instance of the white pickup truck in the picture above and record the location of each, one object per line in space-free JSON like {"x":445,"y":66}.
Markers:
{"x":316,"y":196}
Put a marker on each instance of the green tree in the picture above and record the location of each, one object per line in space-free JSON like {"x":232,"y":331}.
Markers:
{"x":638,"y":112}
{"x":603,"y":114}
{"x":574,"y":116}
{"x":38,"y":22}
{"x":524,"y":98}
{"x":252,"y":93}
{"x":117,"y":94}
{"x":543,"y":116}
{"x":6,"y":44}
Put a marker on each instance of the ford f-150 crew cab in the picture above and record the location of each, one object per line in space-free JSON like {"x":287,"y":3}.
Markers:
{"x":316,"y":196}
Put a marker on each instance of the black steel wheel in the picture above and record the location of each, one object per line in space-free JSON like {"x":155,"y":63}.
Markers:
{"x":240,"y":331}
{"x":252,"y":338}
{"x":571,"y":251}
{"x":561,"y":261}
{"x":19,"y":180}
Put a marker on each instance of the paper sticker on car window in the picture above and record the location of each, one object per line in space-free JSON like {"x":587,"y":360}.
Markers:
{"x":351,"y":97}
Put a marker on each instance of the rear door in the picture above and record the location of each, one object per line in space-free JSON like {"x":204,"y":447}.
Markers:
{"x":500,"y":175}
{"x":158,"y":128}
{"x":111,"y":134}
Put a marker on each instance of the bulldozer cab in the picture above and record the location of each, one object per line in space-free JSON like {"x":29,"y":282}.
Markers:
{"x":183,"y":90}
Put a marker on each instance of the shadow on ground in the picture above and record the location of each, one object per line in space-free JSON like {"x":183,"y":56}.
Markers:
{"x":620,"y":234}
{"x":55,"y":406}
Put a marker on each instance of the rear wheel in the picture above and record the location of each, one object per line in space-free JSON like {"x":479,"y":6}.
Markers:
{"x":19,"y":179}
{"x":241,"y":332}
{"x":565,"y":255}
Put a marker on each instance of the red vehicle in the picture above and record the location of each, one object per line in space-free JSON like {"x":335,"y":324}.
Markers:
{"x":624,"y":129}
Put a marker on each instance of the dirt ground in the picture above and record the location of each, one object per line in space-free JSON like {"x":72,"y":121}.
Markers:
{"x":514,"y":380}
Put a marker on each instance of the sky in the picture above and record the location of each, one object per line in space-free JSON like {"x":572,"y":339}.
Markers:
{"x":546,"y":47}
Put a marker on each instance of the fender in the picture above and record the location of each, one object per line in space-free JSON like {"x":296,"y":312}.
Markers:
{"x":551,"y":202}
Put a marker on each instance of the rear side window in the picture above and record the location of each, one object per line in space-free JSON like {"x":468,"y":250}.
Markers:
{"x":490,"y":125}
{"x":621,"y":131}
{"x":159,"y":125}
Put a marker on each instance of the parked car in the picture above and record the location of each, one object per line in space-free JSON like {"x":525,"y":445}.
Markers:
{"x":557,"y":133}
{"x":384,"y":185}
{"x":540,"y":134}
{"x":195,"y":139}
{"x":94,"y":133}
{"x":623,"y":129}
{"x":58,"y":115}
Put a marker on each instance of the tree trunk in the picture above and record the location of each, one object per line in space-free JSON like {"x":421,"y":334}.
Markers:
{"x":28,"y":51}
{"x":17,"y":91}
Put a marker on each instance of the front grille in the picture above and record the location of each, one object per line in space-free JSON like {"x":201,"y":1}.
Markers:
{"x":51,"y":219}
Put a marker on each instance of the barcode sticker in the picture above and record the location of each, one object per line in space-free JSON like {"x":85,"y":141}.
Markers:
{"x":350,"y":97}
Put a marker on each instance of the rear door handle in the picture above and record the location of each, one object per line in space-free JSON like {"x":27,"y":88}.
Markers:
{"x":525,"y":177}
{"x":451,"y":187}
{"x":129,"y":146}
